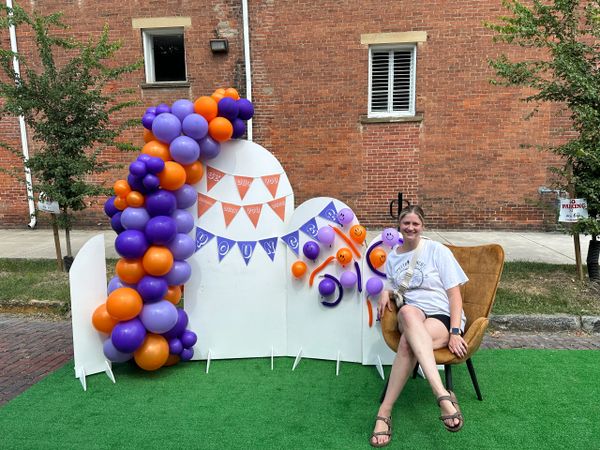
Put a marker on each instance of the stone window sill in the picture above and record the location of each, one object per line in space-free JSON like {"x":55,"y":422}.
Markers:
{"x":416,"y":118}
{"x":166,"y":85}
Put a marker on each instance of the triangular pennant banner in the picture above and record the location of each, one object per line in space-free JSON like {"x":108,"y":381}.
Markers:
{"x":292,"y":241}
{"x":202,"y":238}
{"x":270,"y":246}
{"x":253,"y":212}
{"x":224,"y":245}
{"x":271,"y":182}
{"x":278,"y":205}
{"x":213,"y":176}
{"x":229,"y":212}
{"x":204,"y":203}
{"x":310,"y":228}
{"x":243,"y":184}
{"x":330,"y":213}
{"x":247,"y":249}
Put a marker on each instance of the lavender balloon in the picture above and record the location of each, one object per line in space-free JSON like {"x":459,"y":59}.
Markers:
{"x":166,"y":127}
{"x":184,"y":150}
{"x":209,"y":148}
{"x":326,"y":235}
{"x":345,"y":216}
{"x":390,"y":236}
{"x":185,"y":196}
{"x":311,"y":250}
{"x":184,"y":220}
{"x":348,"y":279}
{"x":182,"y":108}
{"x":134,"y":218}
{"x":116,"y":283}
{"x":114,"y":355}
{"x":179,"y":273}
{"x":179,"y":327}
{"x":159,"y":317}
{"x":195,"y":126}
{"x":128,"y":336}
{"x":182,"y":247}
{"x":374,"y":285}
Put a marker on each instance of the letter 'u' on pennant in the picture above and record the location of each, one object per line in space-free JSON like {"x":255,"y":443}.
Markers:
{"x":229,"y":212}
{"x":213,"y":176}
{"x":271,"y":182}
{"x":278,"y":205}
{"x":204,"y":203}
{"x":253,"y":212}
{"x":243,"y":184}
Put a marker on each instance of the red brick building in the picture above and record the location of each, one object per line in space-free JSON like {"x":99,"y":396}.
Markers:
{"x":444,"y":136}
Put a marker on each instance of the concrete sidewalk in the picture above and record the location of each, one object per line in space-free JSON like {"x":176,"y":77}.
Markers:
{"x":550,"y":247}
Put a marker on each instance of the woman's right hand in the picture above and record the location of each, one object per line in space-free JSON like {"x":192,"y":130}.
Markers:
{"x":383,"y":304}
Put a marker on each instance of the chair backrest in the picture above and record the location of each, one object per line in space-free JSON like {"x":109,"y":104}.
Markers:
{"x":483,"y":265}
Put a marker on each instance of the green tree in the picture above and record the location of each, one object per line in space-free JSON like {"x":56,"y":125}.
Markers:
{"x":561,"y":65}
{"x":65,"y":92}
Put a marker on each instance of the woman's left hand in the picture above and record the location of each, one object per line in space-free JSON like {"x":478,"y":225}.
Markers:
{"x":457,"y":345}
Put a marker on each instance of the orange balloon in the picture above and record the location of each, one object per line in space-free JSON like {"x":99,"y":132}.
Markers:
{"x":378,"y":257}
{"x":171,"y":360}
{"x":130,"y":270}
{"x":220,"y":129}
{"x":193,"y":172}
{"x":153,"y":353}
{"x":219,"y":91}
{"x":232,"y":93}
{"x":172,"y":176}
{"x":157,"y":260}
{"x":121,"y":188}
{"x":358,"y":234}
{"x":102,"y":320}
{"x":148,"y":136}
{"x":135,"y":199}
{"x":173,"y":294}
{"x":216,"y":96}
{"x":299,"y":269}
{"x":344,"y":256}
{"x":206,"y":107}
{"x":158,"y":149}
{"x":124,"y":303}
{"x":120,"y":203}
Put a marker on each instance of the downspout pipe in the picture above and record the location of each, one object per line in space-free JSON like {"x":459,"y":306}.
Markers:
{"x":22,"y":128}
{"x":247,"y":65}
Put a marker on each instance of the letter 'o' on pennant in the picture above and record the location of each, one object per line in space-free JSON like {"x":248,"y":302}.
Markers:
{"x":253,"y":212}
{"x":204,"y":203}
{"x":243,"y":184}
{"x":278,"y":205}
{"x":271,"y":182}
{"x":229,"y":212}
{"x":213,"y":176}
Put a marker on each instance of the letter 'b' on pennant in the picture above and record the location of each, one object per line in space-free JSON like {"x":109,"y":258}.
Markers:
{"x":243,"y":184}
{"x":229,"y":212}
{"x":278,"y":205}
{"x":271,"y":182}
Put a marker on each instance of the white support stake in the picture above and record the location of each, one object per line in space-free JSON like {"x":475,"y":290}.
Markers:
{"x":208,"y":361}
{"x":272,"y":356}
{"x":298,"y":358}
{"x":81,"y":375}
{"x":380,"y":368}
{"x":337,"y":365}
{"x":109,"y":372}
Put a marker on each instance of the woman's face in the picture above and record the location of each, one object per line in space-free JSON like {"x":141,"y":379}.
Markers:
{"x":411,"y":227}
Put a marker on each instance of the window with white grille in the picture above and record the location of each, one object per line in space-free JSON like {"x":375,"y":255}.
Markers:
{"x":392,"y":80}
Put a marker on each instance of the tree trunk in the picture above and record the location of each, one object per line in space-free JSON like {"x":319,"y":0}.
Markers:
{"x":59,"y":260}
{"x":592,"y":259}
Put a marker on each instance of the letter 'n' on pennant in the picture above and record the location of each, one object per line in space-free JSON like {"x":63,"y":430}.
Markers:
{"x":204,"y":203}
{"x":278,"y":205}
{"x":243,"y":184}
{"x":213,"y":176}
{"x":229,"y":212}
{"x":271,"y":182}
{"x":253,"y":212}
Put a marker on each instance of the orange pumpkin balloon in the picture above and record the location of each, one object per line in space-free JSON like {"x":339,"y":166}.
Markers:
{"x":121,"y":188}
{"x":358,"y":234}
{"x":135,"y":199}
{"x":148,"y":136}
{"x":157,"y":149}
{"x":231,"y":92}
{"x":206,"y":107}
{"x":172,"y":177}
{"x":299,"y":269}
{"x":157,"y":261}
{"x":124,"y":303}
{"x":378,"y":257}
{"x":153,"y":353}
{"x":102,"y":320}
{"x":173,"y":294}
{"x":120,"y":203}
{"x":193,"y":172}
{"x":130,"y":270}
{"x":220,"y":129}
{"x":344,"y":256}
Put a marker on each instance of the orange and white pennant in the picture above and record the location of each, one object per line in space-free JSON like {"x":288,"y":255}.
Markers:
{"x":229,"y":212}
{"x":213,"y":176}
{"x":253,"y":212}
{"x":243,"y":184}
{"x":278,"y":205}
{"x":204,"y":203}
{"x":271,"y":182}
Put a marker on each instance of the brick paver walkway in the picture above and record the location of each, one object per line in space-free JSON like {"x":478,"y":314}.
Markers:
{"x":32,"y":347}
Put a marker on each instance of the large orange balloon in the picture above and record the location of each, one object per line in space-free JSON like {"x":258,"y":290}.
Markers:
{"x":220,"y":129}
{"x":231,"y":92}
{"x":102,"y":320}
{"x":193,"y":172}
{"x":130,"y":270}
{"x":358,"y":233}
{"x":344,"y":256}
{"x":172,"y":177}
{"x":299,"y":269}
{"x":121,"y":188}
{"x":158,"y":149}
{"x":124,"y":303}
{"x":173,"y":294}
{"x":206,"y":107}
{"x":135,"y":199}
{"x":153,"y":353}
{"x":378,"y":257}
{"x":157,"y":260}
{"x":148,"y":136}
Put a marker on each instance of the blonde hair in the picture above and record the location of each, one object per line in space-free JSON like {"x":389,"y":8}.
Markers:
{"x":412,"y":209}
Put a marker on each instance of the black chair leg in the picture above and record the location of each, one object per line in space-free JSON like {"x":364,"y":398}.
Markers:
{"x":384,"y":390}
{"x":415,"y":371}
{"x":474,"y":378}
{"x":448,"y":374}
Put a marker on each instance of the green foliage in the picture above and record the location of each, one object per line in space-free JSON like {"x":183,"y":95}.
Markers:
{"x":66,"y":97}
{"x":565,"y":37}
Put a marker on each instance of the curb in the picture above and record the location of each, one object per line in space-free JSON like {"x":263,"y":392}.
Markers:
{"x":545,"y":323}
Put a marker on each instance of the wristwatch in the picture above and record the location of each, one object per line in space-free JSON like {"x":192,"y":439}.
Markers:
{"x":455,"y":331}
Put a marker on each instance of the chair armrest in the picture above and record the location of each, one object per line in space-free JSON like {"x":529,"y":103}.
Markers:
{"x":473,"y":338}
{"x":389,"y":327}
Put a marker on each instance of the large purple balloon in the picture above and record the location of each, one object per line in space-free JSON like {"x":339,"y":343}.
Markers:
{"x":161,"y":230}
{"x":184,"y":150}
{"x":131,"y":244}
{"x":115,"y":223}
{"x":195,"y":126}
{"x":228,"y":108}
{"x":326,"y":287}
{"x":175,"y":346}
{"x":179,"y":273}
{"x":374,"y":285}
{"x":161,"y":203}
{"x":182,"y":247}
{"x":246,"y":109}
{"x":166,"y":127}
{"x":326,"y":235}
{"x":114,"y":355}
{"x":147,"y":120}
{"x":109,"y":206}
{"x":184,"y":220}
{"x":128,"y":336}
{"x":348,"y":279}
{"x":186,"y":354}
{"x":189,"y":338}
{"x":134,"y":218}
{"x":239,"y":128}
{"x":182,"y":108}
{"x":311,"y":250}
{"x":152,"y":289}
{"x":186,"y":196}
{"x":159,"y":317}
{"x":179,"y":327}
{"x":209,"y":148}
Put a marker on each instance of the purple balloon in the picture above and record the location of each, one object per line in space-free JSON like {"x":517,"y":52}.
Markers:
{"x":115,"y":223}
{"x":134,"y":218}
{"x":239,"y":128}
{"x":179,"y":327}
{"x":345,"y":216}
{"x":143,"y":157}
{"x":175,"y":346}
{"x":114,"y":355}
{"x":184,"y":150}
{"x":147,"y":120}
{"x":189,"y":338}
{"x":195,"y":126}
{"x":160,"y":230}
{"x":128,"y":336}
{"x":326,"y":287}
{"x":209,"y":148}
{"x":186,"y":196}
{"x":246,"y":109}
{"x":348,"y":279}
{"x":228,"y":108}
{"x":162,"y":108}
{"x":182,"y":247}
{"x":109,"y":206}
{"x":311,"y":250}
{"x":374,"y":285}
{"x":179,"y":273}
{"x":131,"y":244}
{"x":326,"y":235}
{"x":136,"y":183}
{"x":186,"y":354}
{"x":182,"y":108}
{"x":166,"y":127}
{"x":161,"y":203}
{"x":137,"y":168}
{"x":151,"y":182}
{"x":151,"y":110}
{"x":152,"y":289}
{"x":155,"y":165}
{"x":390,"y":236}
{"x":116,"y":283}
{"x":159,"y":317}
{"x":184,"y":221}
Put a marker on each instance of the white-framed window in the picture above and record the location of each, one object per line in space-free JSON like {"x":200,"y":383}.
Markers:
{"x":392,"y":80}
{"x":164,"y":55}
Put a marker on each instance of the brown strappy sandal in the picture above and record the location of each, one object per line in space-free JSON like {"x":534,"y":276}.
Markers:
{"x":457,"y":415}
{"x":388,"y":432}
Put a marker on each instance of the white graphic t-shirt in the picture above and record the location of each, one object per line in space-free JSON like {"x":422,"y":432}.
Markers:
{"x":435,"y":272}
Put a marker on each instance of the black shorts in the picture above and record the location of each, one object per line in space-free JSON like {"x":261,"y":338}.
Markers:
{"x":441,"y":317}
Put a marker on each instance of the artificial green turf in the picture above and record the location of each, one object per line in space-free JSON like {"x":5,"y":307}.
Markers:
{"x":532,"y":399}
